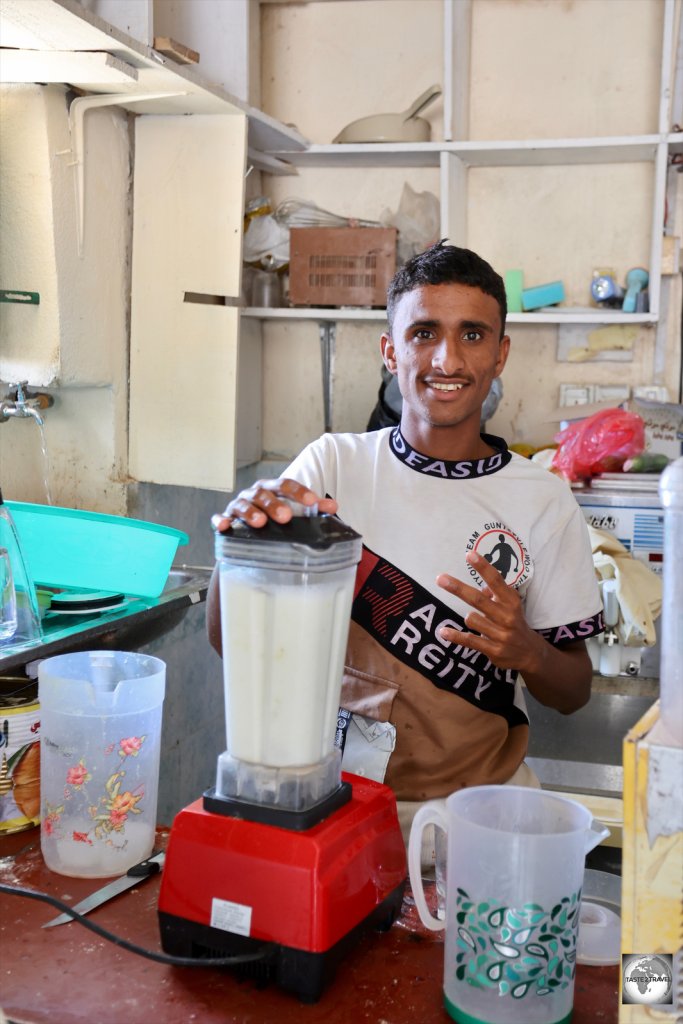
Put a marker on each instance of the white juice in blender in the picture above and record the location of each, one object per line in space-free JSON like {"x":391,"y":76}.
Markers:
{"x":283,"y":655}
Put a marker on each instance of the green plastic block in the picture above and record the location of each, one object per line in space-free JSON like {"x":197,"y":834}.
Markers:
{"x":514,"y":283}
{"x":543,"y":295}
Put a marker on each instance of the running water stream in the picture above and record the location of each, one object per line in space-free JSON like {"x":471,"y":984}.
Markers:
{"x":46,"y":463}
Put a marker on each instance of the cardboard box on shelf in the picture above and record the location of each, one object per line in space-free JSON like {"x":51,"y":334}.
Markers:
{"x":341,"y":266}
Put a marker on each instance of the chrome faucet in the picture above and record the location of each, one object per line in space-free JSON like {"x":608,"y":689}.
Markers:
{"x":20,"y":402}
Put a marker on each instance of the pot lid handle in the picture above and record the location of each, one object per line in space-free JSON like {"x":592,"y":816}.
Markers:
{"x":422,"y":101}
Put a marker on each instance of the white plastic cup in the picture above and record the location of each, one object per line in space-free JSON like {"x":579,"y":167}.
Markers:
{"x":515,"y":866}
{"x":8,"y":598}
{"x":99,"y":760}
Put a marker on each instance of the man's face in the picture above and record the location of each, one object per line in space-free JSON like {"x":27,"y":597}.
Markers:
{"x":445,"y":348}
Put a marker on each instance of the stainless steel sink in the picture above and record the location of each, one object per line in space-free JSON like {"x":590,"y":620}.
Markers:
{"x":184,"y":579}
{"x":139,"y":621}
{"x":582,"y":752}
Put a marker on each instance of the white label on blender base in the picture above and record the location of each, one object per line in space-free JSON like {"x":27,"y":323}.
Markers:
{"x":230,"y":917}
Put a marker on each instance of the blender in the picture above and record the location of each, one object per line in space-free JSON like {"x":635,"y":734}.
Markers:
{"x":286,"y":853}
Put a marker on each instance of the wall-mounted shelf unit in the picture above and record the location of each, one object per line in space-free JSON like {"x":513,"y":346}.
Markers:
{"x":550,"y":316}
{"x":458,"y":154}
{"x":319,"y":315}
{"x":505,"y":153}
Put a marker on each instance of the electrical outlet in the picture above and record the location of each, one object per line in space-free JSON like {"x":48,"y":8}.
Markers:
{"x":651,"y":393}
{"x":577,"y":394}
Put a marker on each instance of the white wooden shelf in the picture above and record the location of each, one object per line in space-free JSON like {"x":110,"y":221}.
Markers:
{"x":675,"y":141}
{"x":500,"y":153}
{"x":311,"y":313}
{"x":42,"y":39}
{"x":596,"y":317}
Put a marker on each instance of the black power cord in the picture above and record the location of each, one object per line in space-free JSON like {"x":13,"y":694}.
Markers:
{"x":161,"y":958}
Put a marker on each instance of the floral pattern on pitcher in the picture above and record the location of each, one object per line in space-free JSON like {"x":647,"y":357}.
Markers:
{"x":111,"y":809}
{"x":518,"y":950}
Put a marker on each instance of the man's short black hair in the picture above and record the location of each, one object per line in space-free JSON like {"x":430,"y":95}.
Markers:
{"x":446,"y":264}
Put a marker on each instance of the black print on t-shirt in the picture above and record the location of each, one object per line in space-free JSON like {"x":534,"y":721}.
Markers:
{"x":405,"y":619}
{"x":501,"y":556}
{"x":445,"y":468}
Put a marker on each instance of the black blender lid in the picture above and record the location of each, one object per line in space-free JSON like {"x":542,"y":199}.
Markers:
{"x":318,"y":532}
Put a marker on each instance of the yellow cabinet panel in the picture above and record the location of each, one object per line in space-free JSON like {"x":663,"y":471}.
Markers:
{"x":187,"y":231}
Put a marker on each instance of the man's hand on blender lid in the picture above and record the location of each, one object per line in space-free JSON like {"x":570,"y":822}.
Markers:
{"x":262,"y":501}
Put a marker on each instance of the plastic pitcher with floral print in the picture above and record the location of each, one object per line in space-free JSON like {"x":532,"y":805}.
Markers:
{"x":99,"y":760}
{"x":514,"y":871}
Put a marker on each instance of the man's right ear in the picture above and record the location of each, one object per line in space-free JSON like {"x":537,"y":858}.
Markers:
{"x":388,"y":353}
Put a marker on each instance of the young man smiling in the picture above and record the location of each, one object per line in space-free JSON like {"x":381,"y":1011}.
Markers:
{"x":438,"y":637}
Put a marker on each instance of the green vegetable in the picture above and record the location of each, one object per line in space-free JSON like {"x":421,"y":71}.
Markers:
{"x":646,"y":462}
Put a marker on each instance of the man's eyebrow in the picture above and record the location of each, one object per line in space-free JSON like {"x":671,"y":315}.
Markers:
{"x":480,"y":325}
{"x":468,"y":325}
{"x":423,"y":323}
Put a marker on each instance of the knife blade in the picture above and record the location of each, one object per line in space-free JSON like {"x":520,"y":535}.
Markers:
{"x":138,"y":873}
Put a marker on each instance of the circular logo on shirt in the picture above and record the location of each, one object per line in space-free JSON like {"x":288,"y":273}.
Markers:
{"x":505,"y":551}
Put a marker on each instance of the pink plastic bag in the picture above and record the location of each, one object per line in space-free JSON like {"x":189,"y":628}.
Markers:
{"x":599,"y":444}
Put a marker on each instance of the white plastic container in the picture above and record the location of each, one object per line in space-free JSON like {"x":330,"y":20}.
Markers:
{"x":515,"y":868}
{"x":671,"y":668}
{"x":99,"y":767}
{"x":8,"y":598}
{"x":19,"y":612}
{"x":599,"y":942}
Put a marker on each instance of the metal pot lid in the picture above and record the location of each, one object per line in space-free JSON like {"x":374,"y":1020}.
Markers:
{"x":405,"y":126}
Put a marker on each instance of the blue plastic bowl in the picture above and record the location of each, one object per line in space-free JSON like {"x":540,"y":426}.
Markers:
{"x":68,"y":547}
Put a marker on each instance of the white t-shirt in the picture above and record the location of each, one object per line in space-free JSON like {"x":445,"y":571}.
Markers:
{"x":459,"y":720}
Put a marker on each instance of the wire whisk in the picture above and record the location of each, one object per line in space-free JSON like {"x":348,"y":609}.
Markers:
{"x":302,"y":213}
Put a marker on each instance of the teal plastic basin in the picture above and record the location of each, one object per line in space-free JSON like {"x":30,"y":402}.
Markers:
{"x":68,"y":547}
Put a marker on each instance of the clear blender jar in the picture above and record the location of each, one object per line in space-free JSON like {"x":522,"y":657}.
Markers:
{"x":286,"y":592}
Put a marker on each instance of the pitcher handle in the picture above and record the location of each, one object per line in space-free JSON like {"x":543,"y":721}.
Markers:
{"x":427,"y":814}
{"x":595,"y":833}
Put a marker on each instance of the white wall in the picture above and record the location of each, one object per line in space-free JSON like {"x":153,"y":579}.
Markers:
{"x":549,"y":69}
{"x":225,"y":33}
{"x":75,"y":342}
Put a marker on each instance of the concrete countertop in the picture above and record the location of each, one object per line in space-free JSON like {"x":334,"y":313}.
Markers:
{"x":628,"y":686}
{"x":69,"y":976}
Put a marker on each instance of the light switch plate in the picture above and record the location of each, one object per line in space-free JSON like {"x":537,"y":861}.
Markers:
{"x":615,"y":393}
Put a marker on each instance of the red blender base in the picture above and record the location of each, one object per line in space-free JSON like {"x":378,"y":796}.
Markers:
{"x":230,"y":886}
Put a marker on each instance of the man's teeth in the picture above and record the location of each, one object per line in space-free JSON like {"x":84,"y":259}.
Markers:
{"x":447,"y":387}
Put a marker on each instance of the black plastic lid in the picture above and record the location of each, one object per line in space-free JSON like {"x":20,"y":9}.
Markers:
{"x":318,"y":532}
